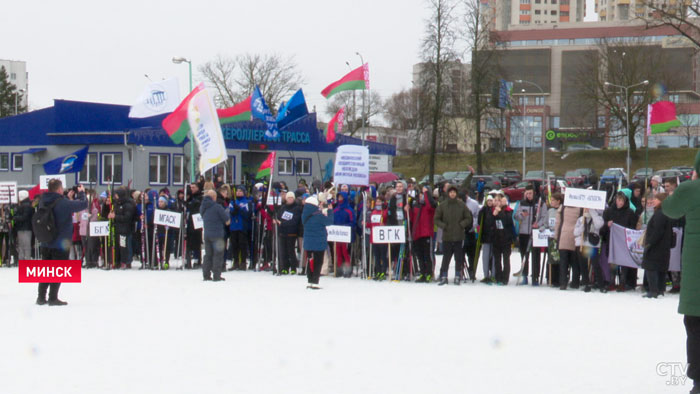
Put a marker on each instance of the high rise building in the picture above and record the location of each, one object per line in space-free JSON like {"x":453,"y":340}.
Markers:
{"x":623,"y":10}
{"x":507,"y":13}
{"x":17,"y":72}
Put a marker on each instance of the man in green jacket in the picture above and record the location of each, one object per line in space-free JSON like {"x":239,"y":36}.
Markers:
{"x":453,"y":217}
{"x":685,"y":201}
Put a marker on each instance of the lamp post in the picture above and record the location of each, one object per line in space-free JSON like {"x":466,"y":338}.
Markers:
{"x":362,"y":60}
{"x":522,"y":125}
{"x":544,"y":125}
{"x":16,"y":96}
{"x":627,"y":114}
{"x":179,"y":60}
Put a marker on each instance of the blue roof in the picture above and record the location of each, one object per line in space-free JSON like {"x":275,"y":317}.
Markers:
{"x":78,"y":123}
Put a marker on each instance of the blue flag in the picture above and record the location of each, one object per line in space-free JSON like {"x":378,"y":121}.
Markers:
{"x":293,"y":110}
{"x":260,"y":110}
{"x":329,"y":171}
{"x":504,"y":94}
{"x":68,"y":163}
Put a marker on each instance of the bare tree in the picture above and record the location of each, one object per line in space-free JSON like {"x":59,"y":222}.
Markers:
{"x":627,"y":64}
{"x":681,"y":15}
{"x":402,"y":109}
{"x":437,"y":51}
{"x":484,"y":68}
{"x":690,"y":124}
{"x":235,"y":78}
{"x":373,"y":106}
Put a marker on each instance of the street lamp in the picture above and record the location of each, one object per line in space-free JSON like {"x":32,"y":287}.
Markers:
{"x":627,"y":114}
{"x":522,"y":125}
{"x":180,"y":60}
{"x":362,"y":60}
{"x":544,"y":124}
{"x":16,"y":95}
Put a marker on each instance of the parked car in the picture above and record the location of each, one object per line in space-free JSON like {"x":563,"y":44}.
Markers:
{"x":537,"y":175}
{"x":687,"y":172}
{"x":579,"y":147}
{"x":512,"y":176}
{"x":575,"y":177}
{"x":449,"y":175}
{"x":516,"y":192}
{"x":500,"y":175}
{"x":613,"y":176}
{"x":589,"y":175}
{"x":671,"y":173}
{"x":460,"y":176}
{"x":642,"y":174}
{"x":426,"y":179}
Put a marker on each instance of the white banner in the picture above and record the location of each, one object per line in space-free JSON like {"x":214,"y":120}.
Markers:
{"x":166,"y":218}
{"x":388,"y":235}
{"x":157,"y":98}
{"x":206,"y":129}
{"x":339,"y":234}
{"x":351,"y":165}
{"x":274,"y":200}
{"x":583,"y":198}
{"x":378,"y":163}
{"x":540,"y":239}
{"x":197,"y":221}
{"x":8,"y":192}
{"x":44,"y":180}
{"x":99,"y":229}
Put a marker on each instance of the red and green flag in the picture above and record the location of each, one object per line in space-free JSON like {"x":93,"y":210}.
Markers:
{"x":661,"y":117}
{"x":238,"y":113}
{"x":176,"y":124}
{"x":335,"y":126}
{"x":266,"y":167}
{"x":357,"y":79}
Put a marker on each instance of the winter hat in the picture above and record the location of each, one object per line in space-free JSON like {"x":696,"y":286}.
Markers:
{"x":489,"y":197}
{"x":312,"y":200}
{"x":657,"y":178}
{"x":162,"y":198}
{"x":452,"y":188}
{"x":321,"y":198}
{"x":241,"y":188}
{"x":290,"y":194}
{"x":23,"y":194}
{"x":103,"y":195}
{"x":436,"y":193}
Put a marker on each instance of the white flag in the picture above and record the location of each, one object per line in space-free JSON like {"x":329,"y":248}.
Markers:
{"x":158,"y":98}
{"x":206,"y":129}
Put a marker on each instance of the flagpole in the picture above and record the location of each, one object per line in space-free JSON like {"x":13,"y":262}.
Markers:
{"x":362,"y":60}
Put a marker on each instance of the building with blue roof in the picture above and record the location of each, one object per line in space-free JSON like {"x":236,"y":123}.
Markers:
{"x":140,"y":153}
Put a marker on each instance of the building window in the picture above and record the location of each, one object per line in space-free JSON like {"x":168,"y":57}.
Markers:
{"x":225,"y":170}
{"x":674,"y":98}
{"x":553,"y":12}
{"x":554,"y":122}
{"x":13,"y":76}
{"x":178,"y":169}
{"x":158,"y":168}
{"x":111,"y":168}
{"x":303,"y":167}
{"x":524,"y":12}
{"x":89,"y":172}
{"x":285,"y":167}
{"x":17,"y":162}
{"x":4,"y":161}
{"x":537,"y":12}
{"x":601,"y":122}
{"x":524,"y":1}
{"x":522,"y":100}
{"x":539,"y":100}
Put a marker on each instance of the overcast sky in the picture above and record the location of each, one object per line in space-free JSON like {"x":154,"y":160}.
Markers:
{"x":99,"y":51}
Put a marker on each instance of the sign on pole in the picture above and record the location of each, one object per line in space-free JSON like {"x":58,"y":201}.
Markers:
{"x":388,"y":235}
{"x":540,"y":239}
{"x":8,"y":192}
{"x":378,"y":163}
{"x":99,"y":229}
{"x":166,"y":218}
{"x":583,"y":198}
{"x":44,"y":180}
{"x":197,"y":221}
{"x":351,"y":165}
{"x":339,"y":234}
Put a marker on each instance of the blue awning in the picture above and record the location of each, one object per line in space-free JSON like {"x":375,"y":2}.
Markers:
{"x":33,"y":150}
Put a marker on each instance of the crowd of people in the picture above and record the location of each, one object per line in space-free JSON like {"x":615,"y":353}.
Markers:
{"x":282,"y":229}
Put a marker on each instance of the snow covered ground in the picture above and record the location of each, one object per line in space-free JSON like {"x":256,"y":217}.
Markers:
{"x":170,"y":332}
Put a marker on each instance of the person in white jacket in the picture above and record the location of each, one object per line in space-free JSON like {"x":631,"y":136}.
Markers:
{"x":587,"y":241}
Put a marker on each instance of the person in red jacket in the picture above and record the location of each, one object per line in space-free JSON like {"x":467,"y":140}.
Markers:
{"x":379,"y":251}
{"x":422,"y":215}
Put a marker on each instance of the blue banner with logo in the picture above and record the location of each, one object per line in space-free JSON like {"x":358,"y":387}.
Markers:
{"x":260,"y":110}
{"x":67,"y":164}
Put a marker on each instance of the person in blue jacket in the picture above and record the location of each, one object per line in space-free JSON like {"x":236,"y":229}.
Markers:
{"x":241,"y":209}
{"x":315,"y":218}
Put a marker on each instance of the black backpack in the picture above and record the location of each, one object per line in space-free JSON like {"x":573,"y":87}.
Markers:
{"x":44,"y":223}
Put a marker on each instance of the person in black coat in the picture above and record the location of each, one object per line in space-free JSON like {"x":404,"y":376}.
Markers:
{"x":23,"y":225}
{"x":289,"y":221}
{"x":124,"y":216}
{"x":194,"y":236}
{"x":657,"y":248}
{"x":620,"y":213}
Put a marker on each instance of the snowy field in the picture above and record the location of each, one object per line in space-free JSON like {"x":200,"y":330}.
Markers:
{"x":170,"y":332}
